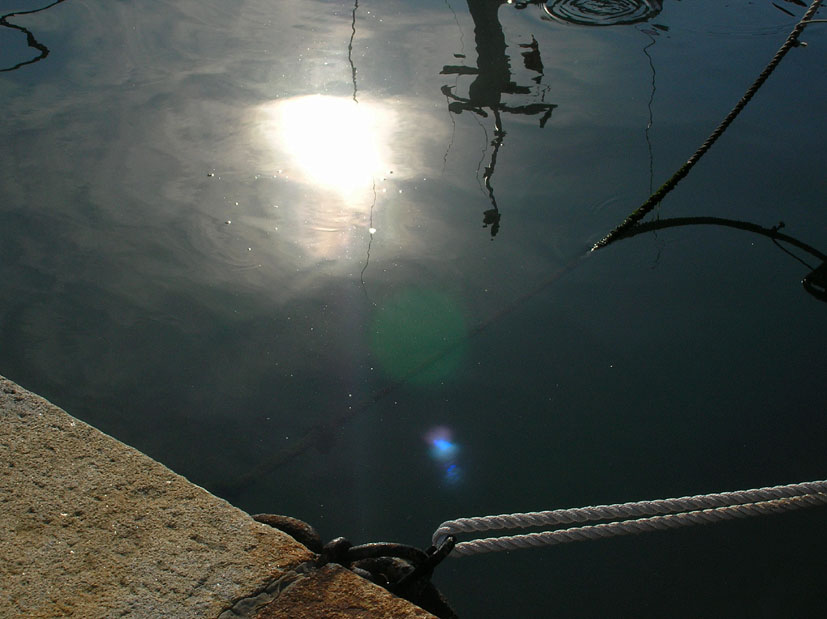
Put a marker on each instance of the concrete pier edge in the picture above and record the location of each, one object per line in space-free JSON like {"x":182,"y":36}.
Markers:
{"x":90,"y":527}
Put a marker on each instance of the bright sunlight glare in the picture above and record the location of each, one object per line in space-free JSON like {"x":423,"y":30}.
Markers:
{"x":334,"y":142}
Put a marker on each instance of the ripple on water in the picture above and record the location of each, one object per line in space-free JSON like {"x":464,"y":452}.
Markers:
{"x":601,"y":12}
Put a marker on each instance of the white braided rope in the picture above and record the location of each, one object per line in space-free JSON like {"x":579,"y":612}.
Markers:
{"x":640,"y":525}
{"x":770,"y":498}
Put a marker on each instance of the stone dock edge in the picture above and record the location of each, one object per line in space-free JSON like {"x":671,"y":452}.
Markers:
{"x":90,"y":527}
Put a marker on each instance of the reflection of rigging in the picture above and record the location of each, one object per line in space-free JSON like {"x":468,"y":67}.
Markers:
{"x":651,"y":34}
{"x":371,"y":229}
{"x":612,"y":13}
{"x":30,"y":40}
{"x":350,"y":48}
{"x":491,"y":217}
{"x":461,"y":54}
{"x":492,"y":81}
{"x":493,"y":71}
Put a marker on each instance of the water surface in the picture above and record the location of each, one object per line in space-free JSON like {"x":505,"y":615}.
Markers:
{"x":274,"y":245}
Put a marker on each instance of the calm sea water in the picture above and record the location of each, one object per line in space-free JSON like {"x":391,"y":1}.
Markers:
{"x":279,"y":246}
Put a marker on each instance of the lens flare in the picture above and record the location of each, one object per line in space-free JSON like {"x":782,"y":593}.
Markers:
{"x":418,"y":336}
{"x":444,"y":452}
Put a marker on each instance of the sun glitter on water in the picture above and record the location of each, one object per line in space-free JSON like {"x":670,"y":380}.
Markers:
{"x":333,"y":142}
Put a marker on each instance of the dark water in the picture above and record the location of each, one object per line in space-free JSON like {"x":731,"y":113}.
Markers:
{"x":248,"y":239}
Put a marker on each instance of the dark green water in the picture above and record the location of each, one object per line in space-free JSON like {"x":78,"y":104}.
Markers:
{"x":248,"y":239}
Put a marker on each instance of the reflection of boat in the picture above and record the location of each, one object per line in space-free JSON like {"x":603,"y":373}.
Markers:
{"x":601,"y":12}
{"x":493,"y":80}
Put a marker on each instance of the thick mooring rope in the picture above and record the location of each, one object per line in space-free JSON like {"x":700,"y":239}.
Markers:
{"x":639,"y":517}
{"x":655,"y":198}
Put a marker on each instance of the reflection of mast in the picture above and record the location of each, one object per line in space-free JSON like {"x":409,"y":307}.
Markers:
{"x":493,"y":79}
{"x":371,"y":230}
{"x":350,"y":48}
{"x":492,"y":216}
{"x":30,"y":40}
{"x":461,"y":54}
{"x":651,"y":35}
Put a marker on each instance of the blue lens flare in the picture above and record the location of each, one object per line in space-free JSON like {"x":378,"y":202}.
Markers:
{"x":452,"y":474}
{"x":444,"y":452}
{"x":443,"y":449}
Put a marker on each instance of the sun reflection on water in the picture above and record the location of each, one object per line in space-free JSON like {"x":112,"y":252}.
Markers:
{"x":333,"y":142}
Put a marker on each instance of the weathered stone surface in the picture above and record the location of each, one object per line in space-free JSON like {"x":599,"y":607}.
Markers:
{"x":90,"y":527}
{"x":333,"y":592}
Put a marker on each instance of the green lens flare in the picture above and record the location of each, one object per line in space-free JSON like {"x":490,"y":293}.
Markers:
{"x":418,"y":336}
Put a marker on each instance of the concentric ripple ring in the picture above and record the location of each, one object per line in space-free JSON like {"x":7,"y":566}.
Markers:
{"x":602,"y":12}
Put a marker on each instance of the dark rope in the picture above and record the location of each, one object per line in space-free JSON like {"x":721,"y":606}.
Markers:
{"x":772,"y":232}
{"x":655,"y":198}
